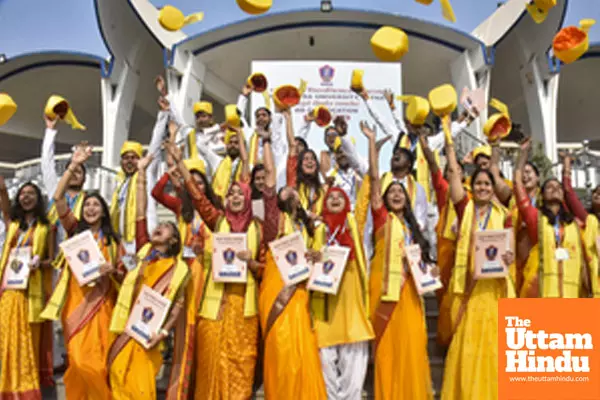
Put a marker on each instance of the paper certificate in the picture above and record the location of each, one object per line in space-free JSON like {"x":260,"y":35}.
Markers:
{"x":490,"y":246}
{"x":225,"y":264}
{"x":16,"y":272}
{"x":147,"y":315}
{"x":258,"y":209}
{"x":289,"y":254}
{"x":327,"y":275}
{"x":84,"y":257}
{"x":421,"y":271}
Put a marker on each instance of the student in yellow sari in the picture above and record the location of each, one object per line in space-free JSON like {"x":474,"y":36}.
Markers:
{"x":132,"y":368}
{"x":227,"y":332}
{"x":396,"y":309}
{"x":471,"y":370}
{"x":86,"y":310}
{"x":20,"y":322}
{"x":292,"y":368}
{"x":556,"y":265}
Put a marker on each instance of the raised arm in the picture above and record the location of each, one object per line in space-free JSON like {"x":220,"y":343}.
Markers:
{"x":159,"y":194}
{"x":396,"y":111}
{"x":245,"y":176}
{"x":269,"y":161}
{"x":387,"y":129}
{"x":457,"y":192}
{"x":242,"y":103}
{"x":142,"y":194}
{"x":4,"y":202}
{"x":82,"y":153}
{"x":376,"y":201}
{"x":571,"y":197}
{"x":47,"y":160}
{"x":289,"y":131}
{"x":305,"y":128}
{"x":503,"y":191}
{"x":528,"y":212}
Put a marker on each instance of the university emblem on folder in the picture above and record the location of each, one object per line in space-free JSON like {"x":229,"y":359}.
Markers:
{"x":147,"y":314}
{"x":291,"y":257}
{"x":327,"y":72}
{"x":228,"y":256}
{"x":328,"y":267}
{"x":491,"y":253}
{"x":16,"y":266}
{"x":84,"y":256}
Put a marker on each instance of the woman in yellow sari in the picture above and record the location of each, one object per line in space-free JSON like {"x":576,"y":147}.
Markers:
{"x":86,"y":311}
{"x":292,"y":368}
{"x":227,"y":332}
{"x":396,"y":309}
{"x":20,"y":322}
{"x":132,"y":367}
{"x":471,"y":370}
{"x":556,"y":265}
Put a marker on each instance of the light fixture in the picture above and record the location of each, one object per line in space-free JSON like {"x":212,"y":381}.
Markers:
{"x":2,"y":58}
{"x":326,"y":6}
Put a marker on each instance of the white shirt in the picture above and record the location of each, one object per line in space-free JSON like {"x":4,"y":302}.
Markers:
{"x":349,"y":181}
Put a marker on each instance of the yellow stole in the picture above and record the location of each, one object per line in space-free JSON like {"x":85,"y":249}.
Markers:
{"x":464,"y":248}
{"x":222,"y":178}
{"x":394,"y":274}
{"x":185,"y":232}
{"x":363,"y":204}
{"x":411,"y":188}
{"x":253,"y":156}
{"x":130,"y":207}
{"x":193,"y":149}
{"x":213,"y":291}
{"x":590,"y":235}
{"x":421,"y":165}
{"x":53,"y":309}
{"x":125,"y":299}
{"x":289,"y":227}
{"x":548,"y":273}
{"x":77,"y":207}
{"x":319,"y":299}
{"x":316,"y":206}
{"x":39,"y":247}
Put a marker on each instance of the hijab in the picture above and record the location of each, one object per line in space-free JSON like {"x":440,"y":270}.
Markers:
{"x":336,"y":223}
{"x":239,"y":221}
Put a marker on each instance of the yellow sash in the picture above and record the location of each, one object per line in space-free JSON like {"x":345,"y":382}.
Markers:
{"x":130,"y":208}
{"x":125,"y":299}
{"x":590,"y":236}
{"x":222,"y":177}
{"x":411,"y":188}
{"x":191,"y":139}
{"x":289,"y":227}
{"x":78,"y":206}
{"x":54,"y":307}
{"x":39,"y":247}
{"x":318,"y":299}
{"x":464,"y":250}
{"x":253,"y":157}
{"x":393,"y":269}
{"x":362,"y":205}
{"x":421,"y":166}
{"x":185,"y":231}
{"x":548,"y":274}
{"x":213,"y":292}
{"x":316,"y":207}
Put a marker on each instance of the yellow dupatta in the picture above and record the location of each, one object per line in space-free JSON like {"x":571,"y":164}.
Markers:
{"x":213,"y":291}
{"x":191,"y":139}
{"x":590,"y":238}
{"x":130,"y":207}
{"x":125,"y":299}
{"x":393,"y":271}
{"x":464,"y":248}
{"x":306,"y":195}
{"x":548,"y":271}
{"x":185,"y":231}
{"x":39,"y":247}
{"x":253,"y":156}
{"x":421,"y":166}
{"x":53,"y":216}
{"x":319,"y":299}
{"x":222,"y":178}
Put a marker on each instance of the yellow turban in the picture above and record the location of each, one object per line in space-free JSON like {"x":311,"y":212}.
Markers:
{"x":229,"y":134}
{"x":484,"y":150}
{"x":132,"y":146}
{"x":195,"y":164}
{"x":203,"y":106}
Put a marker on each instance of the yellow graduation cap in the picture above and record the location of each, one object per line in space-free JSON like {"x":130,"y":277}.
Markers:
{"x":132,"y":146}
{"x":322,"y":116}
{"x":572,"y":42}
{"x":443,"y":100}
{"x":337,"y":143}
{"x":231,"y":133}
{"x":538,"y":9}
{"x":58,"y":106}
{"x":203,"y":106}
{"x":7,"y":108}
{"x":258,"y":82}
{"x":232,"y":117}
{"x":499,"y":125}
{"x":255,"y":6}
{"x":287,"y":96}
{"x":447,"y":10}
{"x":356,"y":82}
{"x":417,"y":109}
{"x":485,"y":150}
{"x":389,"y":43}
{"x":172,"y":19}
{"x":195,"y":164}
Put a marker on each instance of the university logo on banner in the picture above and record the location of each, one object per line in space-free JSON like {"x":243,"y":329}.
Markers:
{"x":548,"y":349}
{"x":326,"y":72}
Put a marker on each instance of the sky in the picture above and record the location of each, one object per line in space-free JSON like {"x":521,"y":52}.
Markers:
{"x":70,"y":25}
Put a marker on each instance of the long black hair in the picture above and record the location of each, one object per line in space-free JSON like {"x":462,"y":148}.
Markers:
{"x":256,"y":194}
{"x":312,"y":181}
{"x":187,"y":207}
{"x":480,"y":170}
{"x":105,"y":223}
{"x":17,"y":213}
{"x":301,"y":214}
{"x":412,"y":223}
{"x":591,"y":209}
{"x":563,"y":215}
{"x":174,"y":248}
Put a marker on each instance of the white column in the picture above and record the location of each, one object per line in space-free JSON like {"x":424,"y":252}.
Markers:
{"x":540,"y":91}
{"x":186,"y":86}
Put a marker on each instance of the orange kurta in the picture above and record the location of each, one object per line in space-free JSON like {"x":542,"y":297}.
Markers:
{"x":292,"y":365}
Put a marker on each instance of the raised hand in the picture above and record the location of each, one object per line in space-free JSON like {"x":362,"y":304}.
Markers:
{"x":368,"y":131}
{"x":173,"y":128}
{"x":389,"y":97}
{"x":379,"y":144}
{"x":81,"y":153}
{"x":525,"y":145}
{"x":163,"y":103}
{"x":173,"y":150}
{"x":144,"y":162}
{"x":244,"y":255}
{"x":246,"y":90}
{"x":310,"y":116}
{"x":50,"y":123}
{"x":161,"y":85}
{"x":341,"y":126}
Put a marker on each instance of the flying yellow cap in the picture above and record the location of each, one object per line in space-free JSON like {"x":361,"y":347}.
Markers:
{"x":7,"y":108}
{"x":132,"y":146}
{"x":447,"y":10}
{"x":389,"y":43}
{"x":356,"y":82}
{"x":443,"y":100}
{"x":538,"y":9}
{"x":258,"y":82}
{"x":232,"y":117}
{"x":195,"y":164}
{"x":570,"y":43}
{"x":417,"y":109}
{"x":172,"y":19}
{"x":287,"y":96}
{"x":322,"y":116}
{"x":58,"y":106}
{"x":499,"y":125}
{"x":203,"y":106}
{"x":255,"y":6}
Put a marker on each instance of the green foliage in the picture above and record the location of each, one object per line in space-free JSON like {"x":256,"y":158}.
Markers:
{"x":539,"y":158}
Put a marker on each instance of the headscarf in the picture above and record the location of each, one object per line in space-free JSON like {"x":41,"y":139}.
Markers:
{"x":239,"y":221}
{"x":337,"y":222}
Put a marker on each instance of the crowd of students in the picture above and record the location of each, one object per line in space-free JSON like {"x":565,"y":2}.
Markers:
{"x":265,"y":182}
